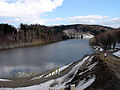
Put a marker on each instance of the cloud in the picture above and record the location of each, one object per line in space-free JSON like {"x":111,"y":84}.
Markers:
{"x":32,"y":11}
{"x":81,"y":19}
{"x":24,"y":10}
{"x":27,"y":20}
{"x":86,"y":19}
{"x":89,"y":19}
{"x":114,"y":22}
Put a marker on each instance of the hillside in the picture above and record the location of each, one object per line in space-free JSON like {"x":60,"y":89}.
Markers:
{"x":27,"y":35}
{"x":108,"y":40}
{"x":94,"y":29}
{"x":35,"y":34}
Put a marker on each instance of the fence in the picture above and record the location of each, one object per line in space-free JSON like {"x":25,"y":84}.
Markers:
{"x":49,"y":73}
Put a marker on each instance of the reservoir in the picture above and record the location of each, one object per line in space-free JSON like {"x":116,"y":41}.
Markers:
{"x":39,"y":59}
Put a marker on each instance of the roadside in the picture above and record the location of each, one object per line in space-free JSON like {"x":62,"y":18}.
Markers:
{"x":104,"y":74}
{"x":112,"y":62}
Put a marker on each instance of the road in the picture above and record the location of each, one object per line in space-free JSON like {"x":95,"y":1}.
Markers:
{"x":112,"y":62}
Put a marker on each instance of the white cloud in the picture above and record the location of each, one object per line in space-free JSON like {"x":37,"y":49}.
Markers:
{"x":114,"y":22}
{"x":86,"y":19}
{"x":32,"y":11}
{"x":23,"y":10}
{"x":89,"y":19}
{"x":27,"y":20}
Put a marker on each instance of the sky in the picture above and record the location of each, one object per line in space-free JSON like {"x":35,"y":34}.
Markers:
{"x":60,"y":12}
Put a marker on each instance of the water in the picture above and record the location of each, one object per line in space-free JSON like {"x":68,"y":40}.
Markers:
{"x":39,"y":59}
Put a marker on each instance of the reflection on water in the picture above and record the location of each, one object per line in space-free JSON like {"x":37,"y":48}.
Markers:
{"x":39,"y":59}
{"x":10,"y":71}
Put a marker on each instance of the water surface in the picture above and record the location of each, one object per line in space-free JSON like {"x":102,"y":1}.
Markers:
{"x":39,"y":59}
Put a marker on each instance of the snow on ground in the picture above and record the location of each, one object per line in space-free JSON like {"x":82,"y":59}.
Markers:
{"x":52,"y":73}
{"x":101,"y":50}
{"x":117,"y":53}
{"x":63,"y":80}
{"x":42,"y":86}
{"x":60,"y":82}
{"x":90,"y":66}
{"x":87,"y":36}
{"x":83,"y":84}
{"x":97,"y":48}
{"x":58,"y":71}
{"x":90,"y":59}
{"x":117,"y":46}
{"x":5,"y":80}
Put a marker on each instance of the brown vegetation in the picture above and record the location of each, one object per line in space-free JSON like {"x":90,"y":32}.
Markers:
{"x":26,"y":35}
{"x":107,"y":40}
{"x":35,"y":34}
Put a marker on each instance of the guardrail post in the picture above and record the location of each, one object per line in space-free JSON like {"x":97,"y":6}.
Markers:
{"x":73,"y":87}
{"x":62,"y":89}
{"x":55,"y":72}
{"x":58,"y":69}
{"x":51,"y":73}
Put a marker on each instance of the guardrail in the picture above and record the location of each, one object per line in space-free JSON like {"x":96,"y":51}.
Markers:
{"x":55,"y":71}
{"x":52,"y":72}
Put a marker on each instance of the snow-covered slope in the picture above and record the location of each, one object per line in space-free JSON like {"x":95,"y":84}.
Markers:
{"x":117,"y":53}
{"x":87,"y":36}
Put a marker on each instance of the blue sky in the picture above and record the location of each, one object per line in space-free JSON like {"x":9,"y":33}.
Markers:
{"x":57,"y":12}
{"x":87,"y":7}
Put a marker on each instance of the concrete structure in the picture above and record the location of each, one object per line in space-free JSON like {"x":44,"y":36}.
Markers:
{"x":72,"y":33}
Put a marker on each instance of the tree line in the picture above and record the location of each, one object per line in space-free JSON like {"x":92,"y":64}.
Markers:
{"x":25,"y":35}
{"x":108,"y":40}
{"x":93,"y":29}
{"x":33,"y":34}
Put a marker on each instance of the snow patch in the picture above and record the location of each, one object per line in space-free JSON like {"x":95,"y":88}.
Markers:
{"x":87,"y":36}
{"x":5,"y":80}
{"x":91,"y":58}
{"x":43,"y":86}
{"x":117,"y":53}
{"x":92,"y":65}
{"x":65,"y":79}
{"x":52,"y":73}
{"x":101,"y":50}
{"x":83,"y":84}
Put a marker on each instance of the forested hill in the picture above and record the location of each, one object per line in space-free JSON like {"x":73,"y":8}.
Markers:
{"x":34,"y":34}
{"x":107,"y":40}
{"x":94,"y":29}
{"x":27,"y":35}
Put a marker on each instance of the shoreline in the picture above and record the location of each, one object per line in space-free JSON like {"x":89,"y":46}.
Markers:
{"x":26,"y":81}
{"x":31,"y":45}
